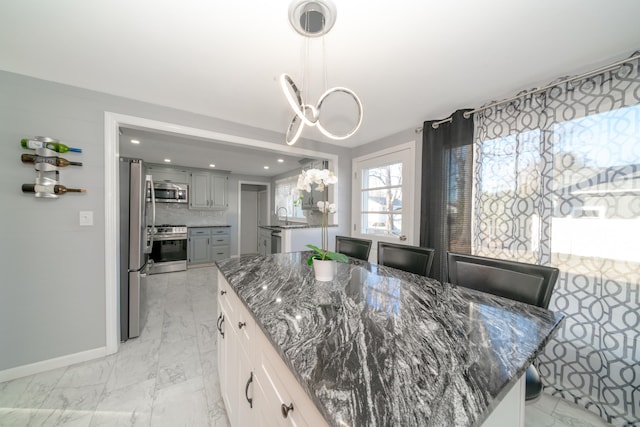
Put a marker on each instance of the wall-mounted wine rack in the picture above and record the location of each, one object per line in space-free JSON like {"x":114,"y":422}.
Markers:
{"x":46,"y":164}
{"x":46,"y":174}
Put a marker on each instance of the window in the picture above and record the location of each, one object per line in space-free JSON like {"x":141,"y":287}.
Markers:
{"x":382,"y":189}
{"x":382,"y":199}
{"x":284,"y":187}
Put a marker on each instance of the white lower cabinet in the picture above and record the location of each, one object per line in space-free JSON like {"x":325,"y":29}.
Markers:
{"x":246,"y":393}
{"x":207,"y":244}
{"x":257,"y":387}
{"x":224,"y":358}
{"x":285,"y":402}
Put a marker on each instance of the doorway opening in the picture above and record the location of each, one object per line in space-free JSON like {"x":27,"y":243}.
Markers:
{"x":112,"y":123}
{"x":253,"y":211}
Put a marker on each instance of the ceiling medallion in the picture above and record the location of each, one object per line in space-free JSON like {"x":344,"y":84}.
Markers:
{"x":312,"y":19}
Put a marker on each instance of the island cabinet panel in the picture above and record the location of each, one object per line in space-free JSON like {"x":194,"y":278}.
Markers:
{"x":222,"y":353}
{"x":245,"y":395}
{"x":254,"y":380}
{"x":227,"y":353}
{"x":283,"y":393}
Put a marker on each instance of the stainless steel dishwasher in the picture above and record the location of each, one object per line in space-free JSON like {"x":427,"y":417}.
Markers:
{"x":276,"y":242}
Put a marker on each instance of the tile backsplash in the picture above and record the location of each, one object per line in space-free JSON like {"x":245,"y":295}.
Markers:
{"x":178,"y":214}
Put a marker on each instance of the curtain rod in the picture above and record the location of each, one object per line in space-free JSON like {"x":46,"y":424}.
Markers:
{"x":468,"y":114}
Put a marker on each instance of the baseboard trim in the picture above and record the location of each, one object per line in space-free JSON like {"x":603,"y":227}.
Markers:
{"x":47,"y":365}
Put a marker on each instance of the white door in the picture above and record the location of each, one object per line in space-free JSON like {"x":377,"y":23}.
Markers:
{"x":382,"y":204}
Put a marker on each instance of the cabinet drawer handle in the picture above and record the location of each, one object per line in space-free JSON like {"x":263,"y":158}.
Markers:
{"x":246,"y":391}
{"x":223,"y":292}
{"x":285,"y":409}
{"x":241,"y":324}
{"x":220,"y":328}
{"x":218,"y":322}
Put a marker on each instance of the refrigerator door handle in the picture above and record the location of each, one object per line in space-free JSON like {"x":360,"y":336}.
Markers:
{"x":152,"y":233}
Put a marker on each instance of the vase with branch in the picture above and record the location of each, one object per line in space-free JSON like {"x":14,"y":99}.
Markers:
{"x":322,"y":257}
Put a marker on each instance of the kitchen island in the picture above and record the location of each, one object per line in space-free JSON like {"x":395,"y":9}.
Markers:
{"x":376,"y":346}
{"x":295,"y":237}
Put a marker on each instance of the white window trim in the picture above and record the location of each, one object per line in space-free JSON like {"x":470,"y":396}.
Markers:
{"x":355,"y":227}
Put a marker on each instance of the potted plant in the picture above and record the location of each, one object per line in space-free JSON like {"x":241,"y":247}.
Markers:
{"x":322,"y":259}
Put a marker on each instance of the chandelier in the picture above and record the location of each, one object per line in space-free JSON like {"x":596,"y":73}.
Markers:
{"x":313,"y":18}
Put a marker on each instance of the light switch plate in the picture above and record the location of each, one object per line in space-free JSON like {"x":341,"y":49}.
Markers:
{"x":86,"y":217}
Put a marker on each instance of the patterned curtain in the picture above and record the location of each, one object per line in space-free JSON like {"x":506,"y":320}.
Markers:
{"x":557,"y":182}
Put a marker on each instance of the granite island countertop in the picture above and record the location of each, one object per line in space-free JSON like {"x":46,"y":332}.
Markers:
{"x":378,"y":346}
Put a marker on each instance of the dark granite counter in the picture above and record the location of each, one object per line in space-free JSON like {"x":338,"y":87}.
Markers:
{"x":291,"y":226}
{"x":378,"y":346}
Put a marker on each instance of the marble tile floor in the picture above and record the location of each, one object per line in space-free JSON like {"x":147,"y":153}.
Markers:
{"x":168,"y":376}
{"x":549,"y":411}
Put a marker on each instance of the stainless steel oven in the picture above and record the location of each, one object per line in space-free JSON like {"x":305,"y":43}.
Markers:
{"x":169,"y":250}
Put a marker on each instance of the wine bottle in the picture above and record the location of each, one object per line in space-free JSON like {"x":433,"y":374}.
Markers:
{"x":55,"y":161}
{"x":32,"y":144}
{"x":51,"y":189}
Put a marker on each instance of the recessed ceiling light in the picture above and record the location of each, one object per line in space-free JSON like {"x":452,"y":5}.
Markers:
{"x":280,"y":160}
{"x":212,"y":165}
{"x":266,"y":167}
{"x":167,"y":160}
{"x":135,"y":141}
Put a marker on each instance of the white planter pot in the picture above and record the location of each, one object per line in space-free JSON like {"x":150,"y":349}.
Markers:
{"x":324,"y":270}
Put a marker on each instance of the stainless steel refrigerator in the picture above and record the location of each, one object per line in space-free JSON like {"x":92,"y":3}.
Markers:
{"x":135,"y":244}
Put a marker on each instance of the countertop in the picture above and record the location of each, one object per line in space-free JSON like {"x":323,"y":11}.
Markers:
{"x":378,"y":346}
{"x":206,"y":226}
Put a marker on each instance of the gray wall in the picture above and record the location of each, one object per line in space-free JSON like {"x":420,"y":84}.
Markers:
{"x":52,"y":291}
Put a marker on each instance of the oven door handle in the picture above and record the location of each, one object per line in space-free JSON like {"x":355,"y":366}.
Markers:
{"x":170,"y":237}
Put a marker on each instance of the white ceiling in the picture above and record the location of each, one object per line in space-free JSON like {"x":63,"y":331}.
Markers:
{"x":155,"y":147}
{"x":408,"y":61}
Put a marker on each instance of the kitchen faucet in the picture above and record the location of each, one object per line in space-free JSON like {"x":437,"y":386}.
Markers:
{"x":286,"y":214}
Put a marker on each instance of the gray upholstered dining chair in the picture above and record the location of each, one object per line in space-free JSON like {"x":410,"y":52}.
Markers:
{"x":414,"y":259}
{"x":528,"y":283}
{"x":355,"y":248}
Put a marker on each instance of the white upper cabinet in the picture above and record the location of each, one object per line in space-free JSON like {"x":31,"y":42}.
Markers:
{"x":208,"y":191}
{"x":168,"y":174}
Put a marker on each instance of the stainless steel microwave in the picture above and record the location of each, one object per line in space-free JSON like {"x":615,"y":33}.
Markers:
{"x":169,"y":192}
